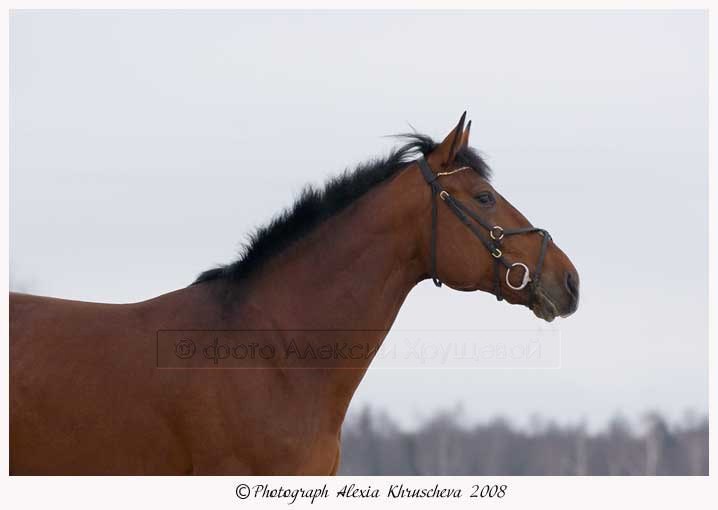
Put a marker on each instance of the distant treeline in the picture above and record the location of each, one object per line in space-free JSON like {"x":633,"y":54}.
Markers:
{"x":372,"y":444}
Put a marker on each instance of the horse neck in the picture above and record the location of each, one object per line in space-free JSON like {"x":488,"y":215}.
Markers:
{"x":355,"y":269}
{"x":352,"y":273}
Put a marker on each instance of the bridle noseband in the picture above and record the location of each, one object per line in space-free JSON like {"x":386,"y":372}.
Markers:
{"x":492,"y":242}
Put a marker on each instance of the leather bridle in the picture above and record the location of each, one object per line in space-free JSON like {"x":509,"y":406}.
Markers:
{"x":492,"y":242}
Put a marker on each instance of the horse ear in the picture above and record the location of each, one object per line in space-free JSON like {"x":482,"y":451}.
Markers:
{"x":443,"y":155}
{"x":465,"y":136}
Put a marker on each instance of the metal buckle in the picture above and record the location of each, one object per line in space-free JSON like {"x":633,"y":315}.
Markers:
{"x":496,"y":253}
{"x":526,"y":278}
{"x":500,"y":234}
{"x":444,"y":194}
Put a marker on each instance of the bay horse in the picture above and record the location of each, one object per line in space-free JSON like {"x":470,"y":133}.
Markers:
{"x":93,"y":388}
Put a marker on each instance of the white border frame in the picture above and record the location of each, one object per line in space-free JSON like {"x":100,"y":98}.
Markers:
{"x":219,"y":492}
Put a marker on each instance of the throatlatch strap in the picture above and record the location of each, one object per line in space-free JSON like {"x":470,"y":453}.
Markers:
{"x":434,"y":213}
{"x":430,"y":178}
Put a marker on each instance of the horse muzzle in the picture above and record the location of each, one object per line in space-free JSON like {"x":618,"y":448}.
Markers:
{"x":551,"y":301}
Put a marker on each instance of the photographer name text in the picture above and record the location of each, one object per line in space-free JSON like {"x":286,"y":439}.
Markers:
{"x":309,"y":495}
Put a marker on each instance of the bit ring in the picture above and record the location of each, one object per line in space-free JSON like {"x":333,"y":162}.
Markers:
{"x":526,"y":279}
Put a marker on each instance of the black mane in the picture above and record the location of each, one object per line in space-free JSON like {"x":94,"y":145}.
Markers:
{"x":316,"y":205}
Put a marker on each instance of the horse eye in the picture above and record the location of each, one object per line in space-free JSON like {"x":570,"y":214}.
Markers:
{"x":485,"y":198}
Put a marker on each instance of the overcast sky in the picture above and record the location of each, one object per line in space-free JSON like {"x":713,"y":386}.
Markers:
{"x":139,"y":143}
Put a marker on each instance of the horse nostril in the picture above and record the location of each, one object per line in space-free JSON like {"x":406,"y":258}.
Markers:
{"x":572,"y":284}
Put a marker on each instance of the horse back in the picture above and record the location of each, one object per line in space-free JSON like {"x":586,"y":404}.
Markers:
{"x":77,"y":369}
